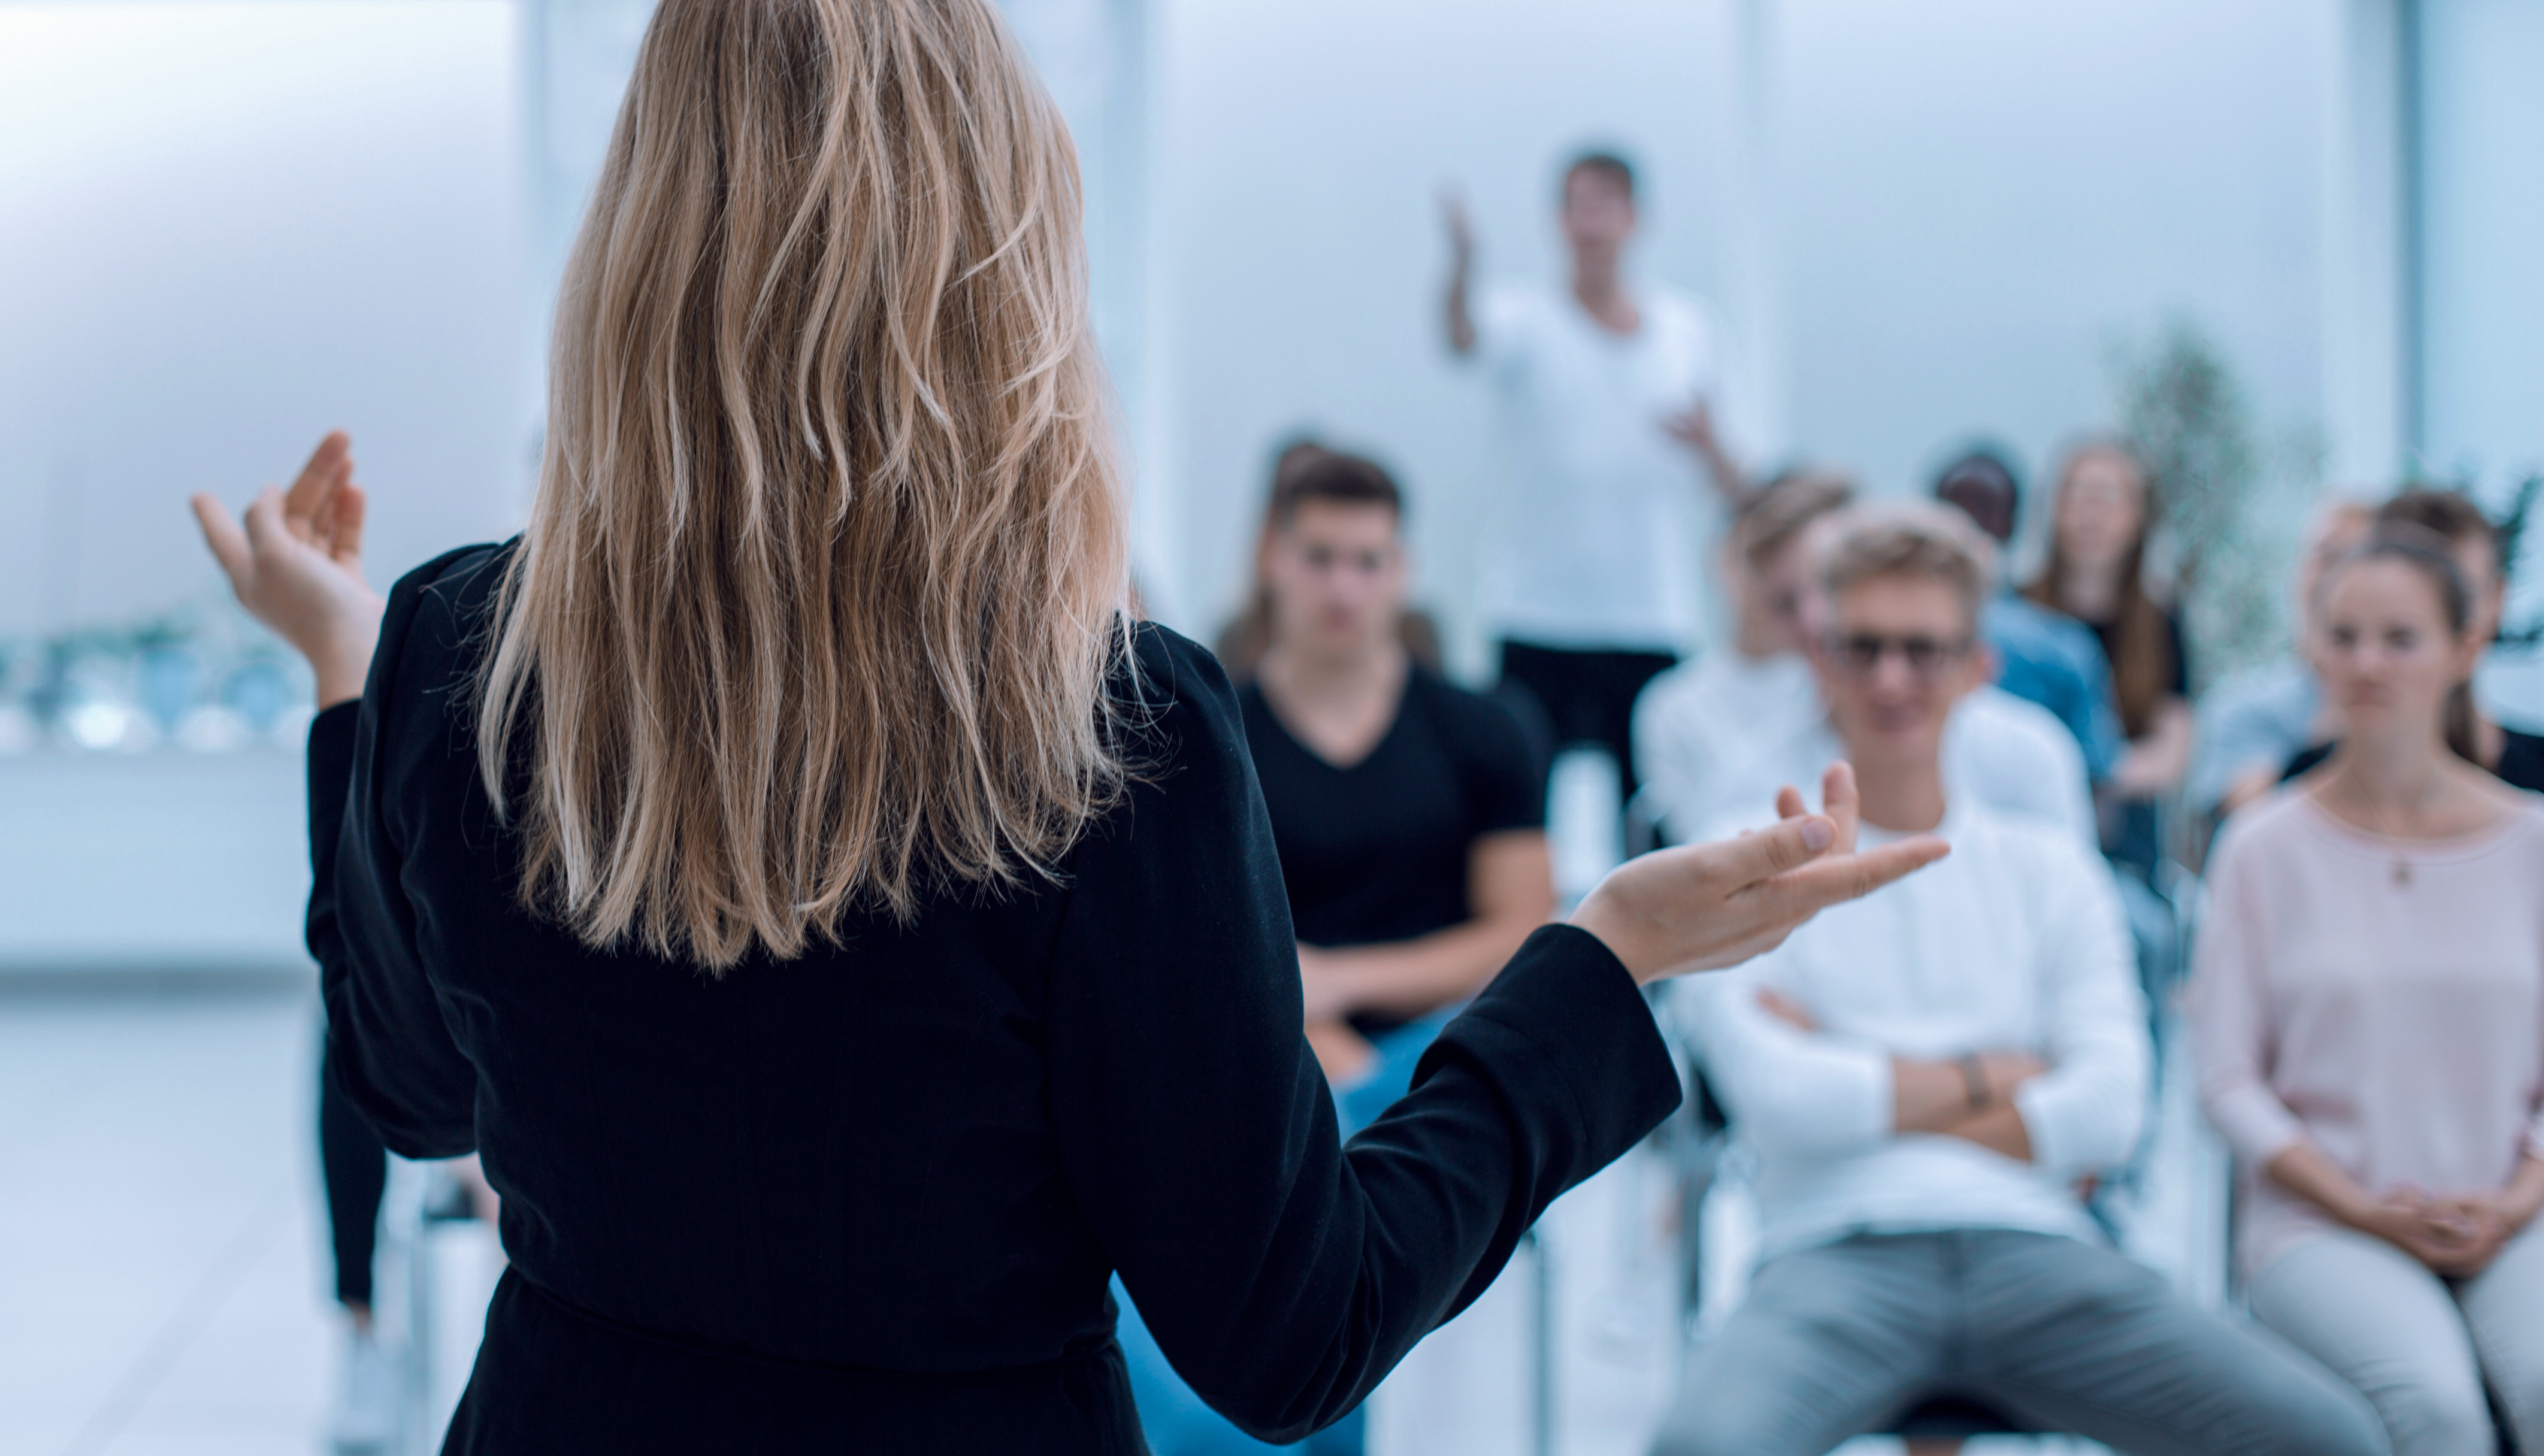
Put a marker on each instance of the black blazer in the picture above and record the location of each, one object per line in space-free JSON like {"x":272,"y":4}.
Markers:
{"x":868,"y":1200}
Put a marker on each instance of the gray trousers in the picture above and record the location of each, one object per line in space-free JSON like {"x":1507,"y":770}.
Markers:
{"x":1840,"y":1341}
{"x":2415,"y":1346}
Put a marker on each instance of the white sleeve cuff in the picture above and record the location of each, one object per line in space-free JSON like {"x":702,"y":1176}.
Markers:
{"x":2255,"y":1124}
{"x":2078,"y":1125}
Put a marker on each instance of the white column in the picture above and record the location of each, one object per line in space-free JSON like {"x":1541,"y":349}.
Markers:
{"x":576,"y":57}
{"x":1094,"y":56}
{"x":2480,"y":286}
{"x":1752,"y":239}
{"x":2365,"y":299}
{"x":2481,"y":133}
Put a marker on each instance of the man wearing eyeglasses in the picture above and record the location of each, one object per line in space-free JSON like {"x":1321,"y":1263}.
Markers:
{"x":1925,"y":1077}
{"x":1716,"y":736}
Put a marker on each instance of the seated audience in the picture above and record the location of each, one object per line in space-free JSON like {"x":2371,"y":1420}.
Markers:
{"x":2515,"y":758}
{"x":1720,"y":733}
{"x":1409,"y":813}
{"x":1409,"y":816}
{"x":2043,"y":656}
{"x":2369,"y":1018}
{"x":1719,"y":736}
{"x":2097,"y":574}
{"x":1241,"y":644}
{"x":1925,"y":1076}
{"x":2251,"y":728}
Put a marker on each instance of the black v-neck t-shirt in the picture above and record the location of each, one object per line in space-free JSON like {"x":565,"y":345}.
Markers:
{"x":2520,"y":766}
{"x":1380,"y":850}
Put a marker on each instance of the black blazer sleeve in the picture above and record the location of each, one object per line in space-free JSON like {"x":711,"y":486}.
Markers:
{"x":388,"y":1041}
{"x":1283,"y":1273}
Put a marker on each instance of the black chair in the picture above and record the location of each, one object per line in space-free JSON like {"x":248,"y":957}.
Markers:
{"x":1642,"y":823}
{"x":2498,"y":1419}
{"x":1954,"y":1418}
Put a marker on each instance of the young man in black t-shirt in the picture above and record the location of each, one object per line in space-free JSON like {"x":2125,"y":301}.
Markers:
{"x":1409,"y":813}
{"x":1410,"y":816}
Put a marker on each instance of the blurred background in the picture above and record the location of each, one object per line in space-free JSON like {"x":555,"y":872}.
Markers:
{"x":2298,"y":234}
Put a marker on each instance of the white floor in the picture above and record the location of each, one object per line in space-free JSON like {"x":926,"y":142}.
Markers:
{"x":159,"y":1254}
{"x":1471,"y":1388}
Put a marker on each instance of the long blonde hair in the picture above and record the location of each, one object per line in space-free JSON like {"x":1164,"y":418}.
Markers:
{"x":817,"y":603}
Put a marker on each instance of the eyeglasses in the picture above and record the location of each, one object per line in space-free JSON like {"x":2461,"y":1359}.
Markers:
{"x":1861,"y":652}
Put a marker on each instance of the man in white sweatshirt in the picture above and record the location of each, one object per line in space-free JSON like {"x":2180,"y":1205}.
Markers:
{"x":1925,"y":1076}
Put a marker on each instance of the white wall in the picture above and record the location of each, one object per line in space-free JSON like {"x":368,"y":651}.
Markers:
{"x":1957,"y":208}
{"x":1983,"y":196}
{"x":152,"y":862}
{"x":576,"y":57}
{"x":227,"y":227}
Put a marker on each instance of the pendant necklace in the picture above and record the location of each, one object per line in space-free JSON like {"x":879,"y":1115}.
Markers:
{"x":2402,"y":871}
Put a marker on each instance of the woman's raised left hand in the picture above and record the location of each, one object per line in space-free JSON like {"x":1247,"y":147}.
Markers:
{"x":298,"y":567}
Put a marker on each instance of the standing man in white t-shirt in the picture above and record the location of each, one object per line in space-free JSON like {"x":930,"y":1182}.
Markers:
{"x":1609,"y":390}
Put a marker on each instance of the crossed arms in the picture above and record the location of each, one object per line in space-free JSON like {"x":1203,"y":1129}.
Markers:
{"x":2072,"y":1102}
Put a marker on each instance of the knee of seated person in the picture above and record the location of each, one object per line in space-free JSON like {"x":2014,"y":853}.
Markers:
{"x":1703,"y":1437}
{"x":2325,"y":1418}
{"x":2521,"y":1400}
{"x":2439,"y":1416}
{"x":1718,"y":1424}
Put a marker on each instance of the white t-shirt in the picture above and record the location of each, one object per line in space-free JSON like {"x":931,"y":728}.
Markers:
{"x":1599,"y":544}
{"x":2016,"y":758}
{"x":1716,"y":737}
{"x":2015,"y":942}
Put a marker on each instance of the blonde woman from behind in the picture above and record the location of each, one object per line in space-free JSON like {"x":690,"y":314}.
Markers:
{"x":848,"y":937}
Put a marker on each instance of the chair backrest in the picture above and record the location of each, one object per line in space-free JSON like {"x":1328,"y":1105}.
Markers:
{"x":1643,"y":831}
{"x":1956,"y":1417}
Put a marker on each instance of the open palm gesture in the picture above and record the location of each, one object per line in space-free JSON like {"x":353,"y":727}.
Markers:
{"x":296,"y":566}
{"x":1709,"y":906}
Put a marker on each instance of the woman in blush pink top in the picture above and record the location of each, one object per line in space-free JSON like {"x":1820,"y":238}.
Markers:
{"x":2369,"y":1019}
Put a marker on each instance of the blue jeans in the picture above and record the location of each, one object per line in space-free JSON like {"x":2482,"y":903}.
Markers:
{"x":1177,"y":1420}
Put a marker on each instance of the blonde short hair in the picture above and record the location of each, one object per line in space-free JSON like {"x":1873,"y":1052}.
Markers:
{"x":1776,"y":515}
{"x":1910,"y":538}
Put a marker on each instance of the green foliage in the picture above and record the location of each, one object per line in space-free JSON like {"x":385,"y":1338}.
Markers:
{"x":2183,"y":408}
{"x":2513,"y":525}
{"x":2229,"y":510}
